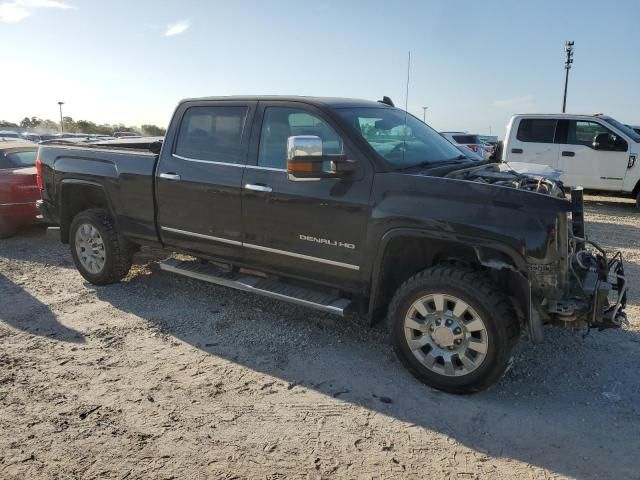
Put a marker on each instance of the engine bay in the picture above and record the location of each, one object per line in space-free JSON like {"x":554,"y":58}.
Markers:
{"x":519,"y":176}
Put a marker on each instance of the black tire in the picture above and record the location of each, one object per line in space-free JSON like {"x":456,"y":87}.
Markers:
{"x":118,"y":251}
{"x":638,"y":201}
{"x":481,"y":294}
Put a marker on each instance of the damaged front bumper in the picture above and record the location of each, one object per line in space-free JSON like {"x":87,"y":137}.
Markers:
{"x":586,"y":289}
{"x":596,"y":293}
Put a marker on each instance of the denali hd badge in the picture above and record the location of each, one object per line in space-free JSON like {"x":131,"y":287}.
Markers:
{"x":326,"y":241}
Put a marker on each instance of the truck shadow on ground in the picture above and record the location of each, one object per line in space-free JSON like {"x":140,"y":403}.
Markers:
{"x":568,"y":405}
{"x":21,"y":310}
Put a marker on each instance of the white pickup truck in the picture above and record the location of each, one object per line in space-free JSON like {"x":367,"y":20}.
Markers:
{"x":592,"y":151}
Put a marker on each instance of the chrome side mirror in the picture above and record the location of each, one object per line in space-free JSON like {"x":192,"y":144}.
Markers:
{"x":305,"y":160}
{"x":304,"y":157}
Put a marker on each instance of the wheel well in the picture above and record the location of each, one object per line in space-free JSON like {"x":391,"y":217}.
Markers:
{"x":404,"y":256}
{"x":636,"y":189}
{"x":75,"y":199}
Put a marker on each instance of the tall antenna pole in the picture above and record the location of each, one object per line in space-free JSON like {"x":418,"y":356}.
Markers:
{"x":568,"y":48}
{"x":406,"y":106}
{"x":424,"y":114}
{"x":406,"y":98}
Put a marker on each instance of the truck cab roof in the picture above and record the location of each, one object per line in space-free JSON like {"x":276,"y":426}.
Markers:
{"x":561,"y":116}
{"x":327,"y":102}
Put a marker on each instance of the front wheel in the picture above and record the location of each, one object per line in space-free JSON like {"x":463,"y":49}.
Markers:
{"x":99,"y":253}
{"x":453,"y":329}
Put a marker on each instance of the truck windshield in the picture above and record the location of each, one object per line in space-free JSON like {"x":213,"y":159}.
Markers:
{"x":400,"y":144}
{"x":630,"y":132}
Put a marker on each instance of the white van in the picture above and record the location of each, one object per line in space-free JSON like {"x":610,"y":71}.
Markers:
{"x":592,"y":151}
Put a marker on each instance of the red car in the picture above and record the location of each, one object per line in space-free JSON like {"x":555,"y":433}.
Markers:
{"x":18,"y":187}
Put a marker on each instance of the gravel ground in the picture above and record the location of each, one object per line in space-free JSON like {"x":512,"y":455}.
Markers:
{"x":165,"y":377}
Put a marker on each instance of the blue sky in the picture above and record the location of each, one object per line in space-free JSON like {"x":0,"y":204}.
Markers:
{"x":473,"y":63}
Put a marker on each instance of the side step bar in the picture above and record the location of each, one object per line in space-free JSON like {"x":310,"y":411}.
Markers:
{"x":254,"y":284}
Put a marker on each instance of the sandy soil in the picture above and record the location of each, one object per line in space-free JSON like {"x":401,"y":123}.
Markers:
{"x":163,"y":377}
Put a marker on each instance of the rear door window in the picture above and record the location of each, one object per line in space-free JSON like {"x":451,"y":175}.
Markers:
{"x":213,"y":133}
{"x":536,"y":130}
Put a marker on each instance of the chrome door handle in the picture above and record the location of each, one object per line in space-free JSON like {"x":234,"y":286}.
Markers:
{"x":258,"y":188}
{"x":170,"y":176}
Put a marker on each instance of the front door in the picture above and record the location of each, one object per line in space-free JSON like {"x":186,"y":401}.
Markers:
{"x":311,"y":229}
{"x":582,"y":165}
{"x":198,"y":183}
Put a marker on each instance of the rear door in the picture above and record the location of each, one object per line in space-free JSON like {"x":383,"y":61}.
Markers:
{"x":310,"y":229}
{"x":532,"y":141}
{"x":585,"y":166}
{"x":198,"y":179}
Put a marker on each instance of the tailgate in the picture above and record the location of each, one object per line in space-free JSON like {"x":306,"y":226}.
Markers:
{"x":18,"y":186}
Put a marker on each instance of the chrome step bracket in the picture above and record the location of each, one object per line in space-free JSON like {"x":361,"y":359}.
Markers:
{"x":262,"y":286}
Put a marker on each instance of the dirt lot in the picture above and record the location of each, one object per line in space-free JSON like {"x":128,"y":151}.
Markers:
{"x":163,"y":377}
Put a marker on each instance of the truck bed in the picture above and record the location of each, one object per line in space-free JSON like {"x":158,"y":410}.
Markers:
{"x":125,"y":175}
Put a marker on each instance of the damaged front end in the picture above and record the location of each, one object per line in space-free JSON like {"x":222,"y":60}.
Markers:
{"x":572,"y":281}
{"x":586,"y":287}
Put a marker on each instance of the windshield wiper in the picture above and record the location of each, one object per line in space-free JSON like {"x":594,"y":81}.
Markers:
{"x":451,"y":161}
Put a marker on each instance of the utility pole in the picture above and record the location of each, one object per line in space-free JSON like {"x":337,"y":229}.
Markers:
{"x":61,"y":121}
{"x":424,"y":114}
{"x":568,"y":48}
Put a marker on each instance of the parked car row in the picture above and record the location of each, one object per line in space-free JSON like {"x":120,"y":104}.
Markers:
{"x":470,"y":142}
{"x":18,"y":187}
{"x":43,"y":137}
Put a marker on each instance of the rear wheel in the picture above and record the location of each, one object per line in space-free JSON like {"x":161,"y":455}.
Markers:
{"x":453,"y":329}
{"x":638,"y":200}
{"x":99,"y":253}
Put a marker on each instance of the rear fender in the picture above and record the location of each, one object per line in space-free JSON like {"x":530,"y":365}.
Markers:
{"x":77,"y":196}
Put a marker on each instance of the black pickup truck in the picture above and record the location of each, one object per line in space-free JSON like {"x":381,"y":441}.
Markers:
{"x":339,"y":205}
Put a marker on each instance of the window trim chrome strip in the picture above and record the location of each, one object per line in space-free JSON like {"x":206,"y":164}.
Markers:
{"x":270,"y":169}
{"x":226,"y":164}
{"x":261,"y":248}
{"x":200,"y":235}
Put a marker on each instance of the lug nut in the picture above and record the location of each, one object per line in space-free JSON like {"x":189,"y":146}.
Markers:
{"x":438,"y":322}
{"x":448,"y":323}
{"x":458,"y":342}
{"x":457,"y":330}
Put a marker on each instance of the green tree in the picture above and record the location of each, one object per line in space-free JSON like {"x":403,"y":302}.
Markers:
{"x":85,"y":126}
{"x":153,"y":130}
{"x":32,"y":122}
{"x":49,"y":124}
{"x":69,"y":125}
{"x":5,"y":123}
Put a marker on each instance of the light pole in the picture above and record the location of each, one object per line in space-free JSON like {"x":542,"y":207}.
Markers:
{"x":61,"y":121}
{"x":568,"y":48}
{"x":424,"y":114}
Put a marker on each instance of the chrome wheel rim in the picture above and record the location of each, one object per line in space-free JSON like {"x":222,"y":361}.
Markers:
{"x":446,"y":335}
{"x":90,"y":248}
